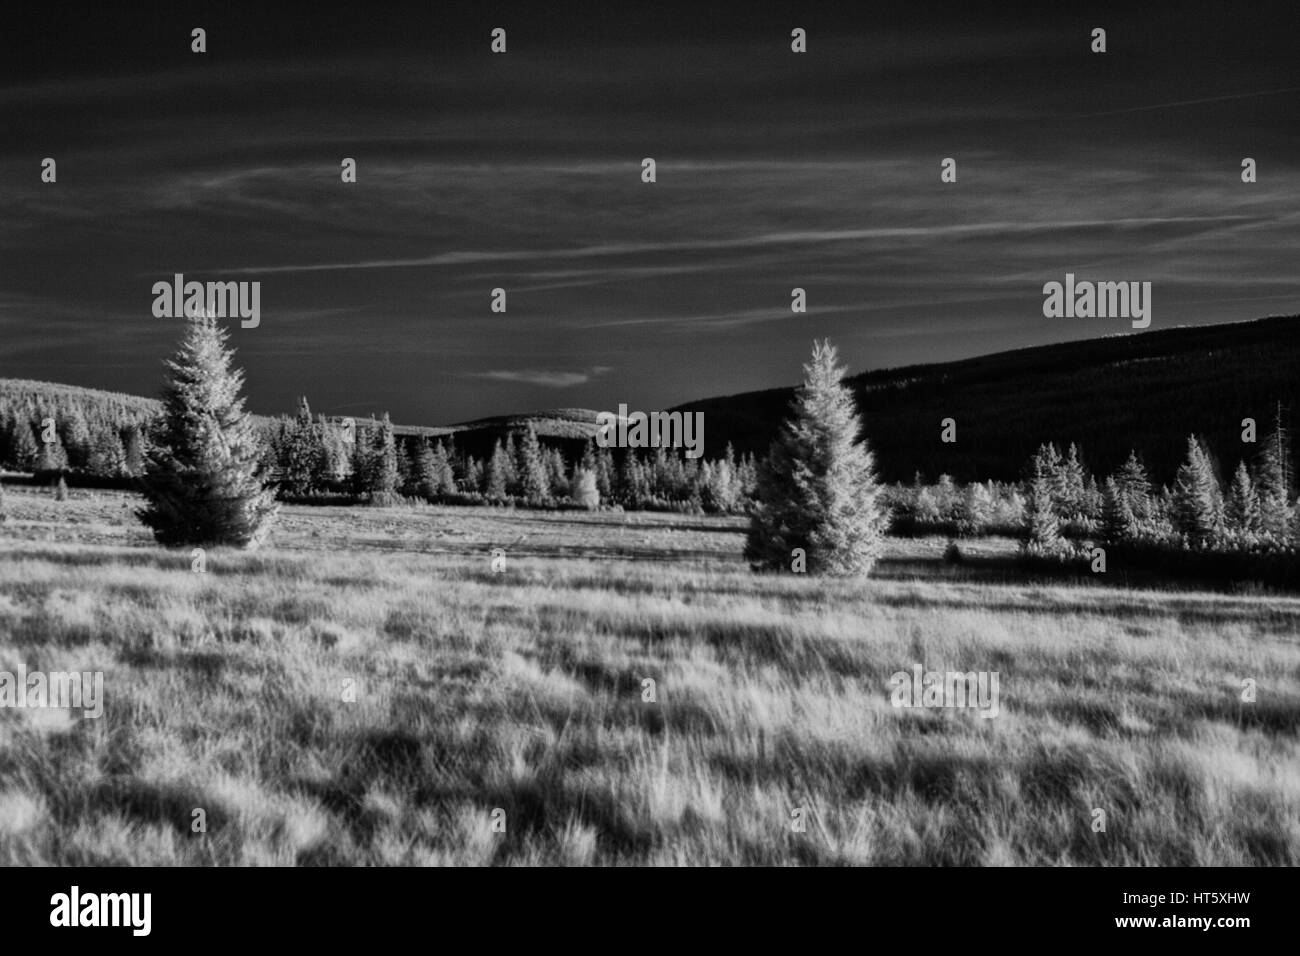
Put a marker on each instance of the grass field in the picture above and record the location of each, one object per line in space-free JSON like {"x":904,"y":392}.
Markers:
{"x":522,"y":691}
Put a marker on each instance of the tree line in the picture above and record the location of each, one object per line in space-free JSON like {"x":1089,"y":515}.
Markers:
{"x":312,"y":457}
{"x":211,"y":475}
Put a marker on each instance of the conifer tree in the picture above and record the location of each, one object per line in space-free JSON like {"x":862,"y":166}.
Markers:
{"x":499,"y":473}
{"x":1197,"y":503}
{"x":719,"y":493}
{"x":302,"y":460}
{"x":557,"y":472}
{"x":1242,"y":509}
{"x":53,"y":457}
{"x":1074,"y":481}
{"x":25,"y":452}
{"x":818,"y":490}
{"x":976,"y":510}
{"x":1275,"y":481}
{"x":76,"y":438}
{"x":473,"y":481}
{"x":1133,"y":485}
{"x":407,"y":482}
{"x":1092,"y":503}
{"x":1042,"y":504}
{"x":606,"y":479}
{"x":534,"y":485}
{"x":107,"y":458}
{"x":434,"y":470}
{"x":362,"y":461}
{"x":1043,"y":528}
{"x":203,"y":483}
{"x":514,"y":482}
{"x":1118,"y":520}
{"x":383,"y":478}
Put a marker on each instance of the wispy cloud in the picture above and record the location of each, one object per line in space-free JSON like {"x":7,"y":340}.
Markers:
{"x":805,"y":237}
{"x":546,"y":378}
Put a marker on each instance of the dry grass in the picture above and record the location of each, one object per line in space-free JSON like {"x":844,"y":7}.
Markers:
{"x":522,"y":692}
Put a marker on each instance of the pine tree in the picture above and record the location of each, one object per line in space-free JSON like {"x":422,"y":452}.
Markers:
{"x":1134,"y":486}
{"x":4,"y":513}
{"x":107,"y":457}
{"x":719,"y":493}
{"x":383,"y":477}
{"x":202,"y":483}
{"x":1042,"y":527}
{"x":1197,"y":499}
{"x":407,"y":483}
{"x":1073,"y":483}
{"x":499,"y":473}
{"x":747,"y":477}
{"x":1242,"y":509}
{"x":818,"y":490}
{"x":1091,"y":505}
{"x":514,"y":483}
{"x":435,"y":474}
{"x":925,"y":507}
{"x":976,"y":510}
{"x":426,"y":477}
{"x":303,"y":453}
{"x":1118,"y":520}
{"x":1047,"y":466}
{"x":557,"y":472}
{"x":362,"y":461}
{"x":606,"y":478}
{"x":948,"y":498}
{"x":53,"y":457}
{"x":534,"y":485}
{"x":334,"y":458}
{"x":76,"y":438}
{"x":1044,"y":497}
{"x":25,"y":451}
{"x":473,"y":482}
{"x":1275,"y":481}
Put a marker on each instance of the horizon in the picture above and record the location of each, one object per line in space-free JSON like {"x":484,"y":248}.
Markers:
{"x":542,"y":411}
{"x":539,"y":412}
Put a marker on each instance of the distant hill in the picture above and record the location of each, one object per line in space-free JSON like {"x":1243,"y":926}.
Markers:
{"x":110,"y":406}
{"x":1145,"y":391}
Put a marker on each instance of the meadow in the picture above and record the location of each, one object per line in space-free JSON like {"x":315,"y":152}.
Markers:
{"x":523,"y":691}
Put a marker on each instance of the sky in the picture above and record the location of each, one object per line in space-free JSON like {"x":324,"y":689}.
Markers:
{"x":523,"y":171}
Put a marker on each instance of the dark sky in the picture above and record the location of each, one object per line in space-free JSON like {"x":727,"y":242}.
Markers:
{"x":522,"y":171}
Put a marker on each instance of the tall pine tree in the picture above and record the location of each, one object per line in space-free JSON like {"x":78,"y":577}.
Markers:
{"x":383,"y":478}
{"x":1241,"y":511}
{"x":534,"y":483}
{"x":202,"y":482}
{"x":1275,"y":481}
{"x":1197,"y":498}
{"x":817,"y":489}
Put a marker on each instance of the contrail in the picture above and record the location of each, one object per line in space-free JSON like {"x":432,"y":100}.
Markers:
{"x":1208,"y":99}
